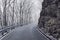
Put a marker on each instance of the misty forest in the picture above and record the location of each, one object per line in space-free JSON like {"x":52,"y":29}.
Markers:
{"x":29,"y":19}
{"x":18,"y":12}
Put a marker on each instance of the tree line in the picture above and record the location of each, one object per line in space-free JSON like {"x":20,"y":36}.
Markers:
{"x":15,"y":13}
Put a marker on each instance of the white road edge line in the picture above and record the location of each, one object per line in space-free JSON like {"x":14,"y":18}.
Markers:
{"x":42,"y":34}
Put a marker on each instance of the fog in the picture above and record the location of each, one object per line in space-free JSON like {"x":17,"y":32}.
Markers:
{"x":36,"y":10}
{"x":13,"y":11}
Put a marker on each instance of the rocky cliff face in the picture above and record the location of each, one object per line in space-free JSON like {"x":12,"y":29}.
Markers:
{"x":50,"y":17}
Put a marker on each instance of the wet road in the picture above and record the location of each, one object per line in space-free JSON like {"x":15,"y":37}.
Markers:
{"x":27,"y":32}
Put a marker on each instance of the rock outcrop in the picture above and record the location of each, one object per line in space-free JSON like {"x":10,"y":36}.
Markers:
{"x":50,"y":17}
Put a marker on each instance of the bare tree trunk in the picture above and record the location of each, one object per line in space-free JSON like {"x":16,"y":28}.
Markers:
{"x":4,"y":14}
{"x":13,"y":16}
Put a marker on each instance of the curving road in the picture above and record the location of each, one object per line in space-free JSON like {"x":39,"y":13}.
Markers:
{"x":27,"y":32}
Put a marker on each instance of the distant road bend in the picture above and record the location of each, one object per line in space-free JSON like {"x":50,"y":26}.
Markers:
{"x":27,"y":32}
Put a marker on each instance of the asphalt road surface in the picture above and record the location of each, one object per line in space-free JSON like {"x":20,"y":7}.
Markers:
{"x":27,"y":32}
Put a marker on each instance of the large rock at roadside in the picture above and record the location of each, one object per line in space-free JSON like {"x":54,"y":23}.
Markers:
{"x":50,"y":17}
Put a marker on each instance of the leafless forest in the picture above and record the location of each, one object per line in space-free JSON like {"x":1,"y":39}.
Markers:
{"x":18,"y":12}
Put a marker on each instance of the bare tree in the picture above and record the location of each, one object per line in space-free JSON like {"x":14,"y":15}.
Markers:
{"x":0,"y":17}
{"x":4,"y":13}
